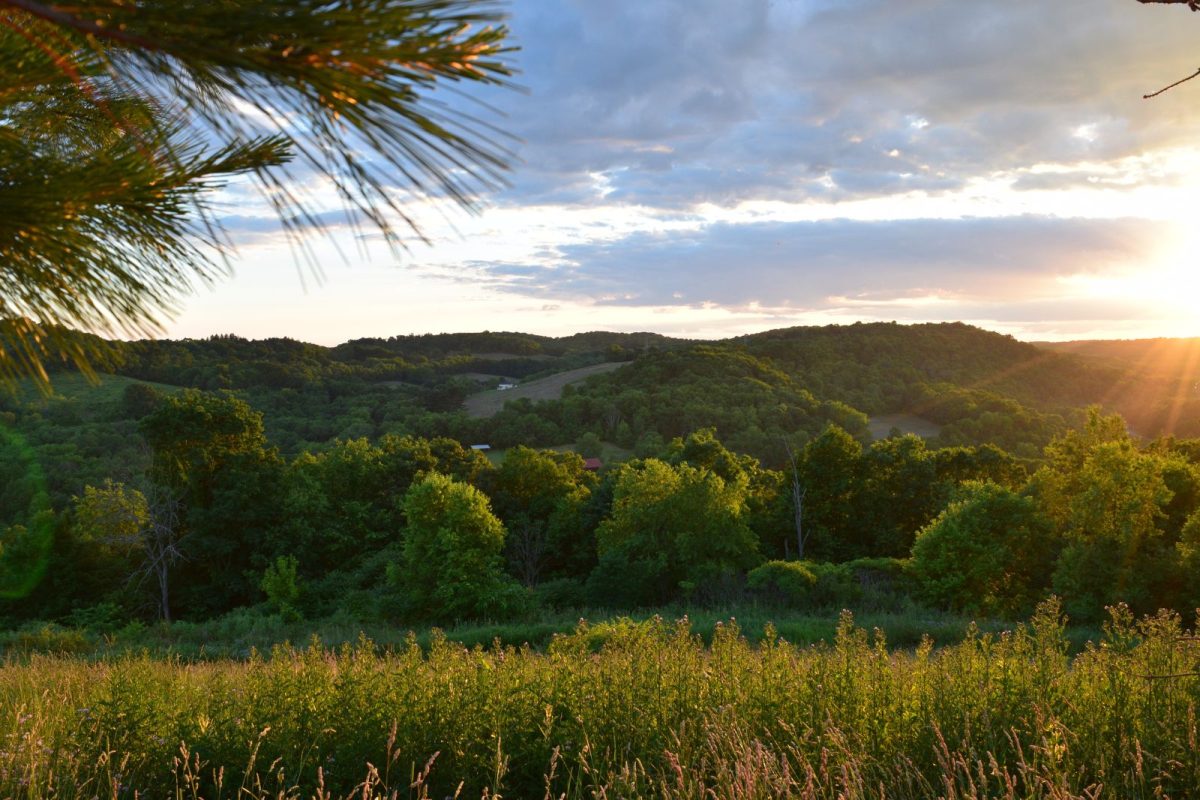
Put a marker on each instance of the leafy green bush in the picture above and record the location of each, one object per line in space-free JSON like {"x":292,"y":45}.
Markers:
{"x":561,"y":593}
{"x":102,"y":617}
{"x":49,"y":638}
{"x":883,"y":583}
{"x":837,"y":585}
{"x":806,"y":584}
{"x":989,"y":552}
{"x":788,"y":583}
{"x":282,"y":587}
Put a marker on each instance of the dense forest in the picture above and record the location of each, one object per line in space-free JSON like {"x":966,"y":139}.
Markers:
{"x":199,"y":477}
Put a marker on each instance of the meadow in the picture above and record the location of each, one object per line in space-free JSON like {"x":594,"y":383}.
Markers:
{"x":621,"y":709}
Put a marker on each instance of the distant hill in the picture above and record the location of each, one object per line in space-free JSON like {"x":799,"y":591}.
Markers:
{"x":956,"y":384}
{"x":1157,"y":383}
{"x":874,"y":366}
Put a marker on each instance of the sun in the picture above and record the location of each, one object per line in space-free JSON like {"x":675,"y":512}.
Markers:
{"x":1174,"y":279}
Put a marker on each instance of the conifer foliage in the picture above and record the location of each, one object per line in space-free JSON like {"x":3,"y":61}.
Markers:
{"x":119,"y":119}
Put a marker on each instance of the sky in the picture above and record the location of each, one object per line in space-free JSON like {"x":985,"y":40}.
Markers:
{"x":708,"y":168}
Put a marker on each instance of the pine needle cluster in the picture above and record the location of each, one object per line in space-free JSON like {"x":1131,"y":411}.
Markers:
{"x":119,"y":119}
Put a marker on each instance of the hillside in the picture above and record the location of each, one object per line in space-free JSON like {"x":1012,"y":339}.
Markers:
{"x":312,"y":455}
{"x":1156,"y":383}
{"x":762,"y":392}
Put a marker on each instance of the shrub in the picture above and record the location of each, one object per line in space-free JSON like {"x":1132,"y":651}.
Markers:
{"x":787,"y":583}
{"x":561,"y":593}
{"x":282,"y":587}
{"x":50,"y":638}
{"x":882,"y":582}
{"x":837,"y":585}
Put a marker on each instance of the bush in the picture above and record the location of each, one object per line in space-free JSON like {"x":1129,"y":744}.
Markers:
{"x":102,"y":617}
{"x":282,"y":587}
{"x":49,"y":638}
{"x":452,"y":566}
{"x":989,"y":552}
{"x":837,"y":586}
{"x":561,"y":593}
{"x":882,"y":582}
{"x":807,"y":584}
{"x":620,"y":582}
{"x":785,"y":583}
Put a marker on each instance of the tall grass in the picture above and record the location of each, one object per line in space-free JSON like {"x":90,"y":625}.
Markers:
{"x":238,"y":633}
{"x":621,"y":710}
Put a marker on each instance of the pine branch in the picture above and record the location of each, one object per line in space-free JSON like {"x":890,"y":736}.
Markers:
{"x":103,"y":222}
{"x":68,"y":20}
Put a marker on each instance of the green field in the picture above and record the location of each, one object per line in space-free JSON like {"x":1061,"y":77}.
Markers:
{"x":489,"y":403}
{"x":620,"y":709}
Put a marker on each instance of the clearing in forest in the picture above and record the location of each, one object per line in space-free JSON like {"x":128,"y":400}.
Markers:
{"x":882,"y":425}
{"x":487,"y":404}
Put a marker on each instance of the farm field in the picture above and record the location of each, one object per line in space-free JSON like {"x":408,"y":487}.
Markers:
{"x":487,"y":404}
{"x":621,"y":710}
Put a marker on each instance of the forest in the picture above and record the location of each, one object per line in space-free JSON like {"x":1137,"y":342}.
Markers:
{"x":201,"y":478}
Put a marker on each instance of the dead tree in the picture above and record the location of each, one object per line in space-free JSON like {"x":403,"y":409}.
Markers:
{"x":798,"y":493}
{"x":161,"y":539}
{"x":527,"y":546}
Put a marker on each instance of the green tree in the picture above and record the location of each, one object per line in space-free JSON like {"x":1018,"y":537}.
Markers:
{"x":539,"y":495}
{"x":121,"y":118}
{"x":990,"y":552}
{"x":1113,"y":507}
{"x":901,"y":494}
{"x":1188,"y":556}
{"x":589,"y":445}
{"x":129,"y":536}
{"x":763,"y":493}
{"x":112,"y":516}
{"x":211,"y":466}
{"x":192,"y":433}
{"x":675,"y":528}
{"x":830,"y":473}
{"x":1109,"y":502}
{"x":452,"y":545}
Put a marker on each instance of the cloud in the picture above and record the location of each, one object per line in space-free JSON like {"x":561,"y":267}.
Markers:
{"x":265,"y":229}
{"x":672,"y":103}
{"x":848,"y":264}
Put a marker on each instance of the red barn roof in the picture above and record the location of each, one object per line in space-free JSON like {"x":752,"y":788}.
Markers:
{"x":592,"y":464}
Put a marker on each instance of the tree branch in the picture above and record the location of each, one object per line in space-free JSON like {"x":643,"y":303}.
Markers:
{"x":1195,"y":74}
{"x":1194,"y":5}
{"x":67,"y":20}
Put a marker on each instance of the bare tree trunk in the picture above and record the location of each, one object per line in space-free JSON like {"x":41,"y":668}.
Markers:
{"x":164,"y":595}
{"x":798,"y":504}
{"x":798,"y":493}
{"x":527,"y":549}
{"x":162,"y":537}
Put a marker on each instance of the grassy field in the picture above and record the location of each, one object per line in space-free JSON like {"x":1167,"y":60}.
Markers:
{"x":242,"y":633}
{"x":487,"y":404}
{"x":635,"y":710}
{"x":106,"y":388}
